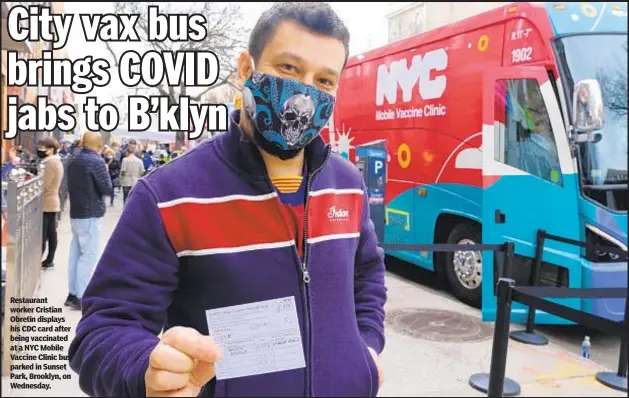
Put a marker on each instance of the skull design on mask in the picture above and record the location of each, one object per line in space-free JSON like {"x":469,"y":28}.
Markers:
{"x":296,"y":116}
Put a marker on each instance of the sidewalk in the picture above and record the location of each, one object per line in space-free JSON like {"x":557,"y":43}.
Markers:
{"x":413,"y":366}
{"x":430,"y":367}
{"x":54,"y":286}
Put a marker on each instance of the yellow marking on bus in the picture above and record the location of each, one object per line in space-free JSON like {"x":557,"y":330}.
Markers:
{"x":407,"y":215}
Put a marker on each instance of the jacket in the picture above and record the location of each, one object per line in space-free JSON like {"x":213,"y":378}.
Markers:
{"x":88,"y":182}
{"x":53,"y":176}
{"x":131,"y":170}
{"x":190,"y":241}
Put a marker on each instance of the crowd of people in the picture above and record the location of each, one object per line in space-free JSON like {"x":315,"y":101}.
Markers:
{"x":86,"y":172}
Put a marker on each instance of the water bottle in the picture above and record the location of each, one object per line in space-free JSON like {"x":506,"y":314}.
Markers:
{"x":586,"y":347}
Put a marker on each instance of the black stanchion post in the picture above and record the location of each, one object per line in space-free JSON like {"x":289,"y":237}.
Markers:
{"x":529,"y":336}
{"x":509,"y":257}
{"x":618,"y":380}
{"x":495,"y":384}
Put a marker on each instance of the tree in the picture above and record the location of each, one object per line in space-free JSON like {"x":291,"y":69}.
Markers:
{"x":225,"y":38}
{"x":613,"y":80}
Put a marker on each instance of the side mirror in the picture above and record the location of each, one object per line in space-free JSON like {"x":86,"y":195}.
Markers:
{"x":587,"y":107}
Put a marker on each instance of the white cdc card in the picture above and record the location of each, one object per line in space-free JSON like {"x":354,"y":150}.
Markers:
{"x":257,"y":338}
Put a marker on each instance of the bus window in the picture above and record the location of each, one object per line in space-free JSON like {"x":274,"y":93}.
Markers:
{"x":529,"y":143}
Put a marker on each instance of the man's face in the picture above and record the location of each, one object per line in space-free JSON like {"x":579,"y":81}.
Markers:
{"x":132,"y":147}
{"x":295,"y":53}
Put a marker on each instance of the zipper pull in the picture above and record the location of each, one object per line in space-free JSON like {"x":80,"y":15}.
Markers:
{"x":306,"y":276}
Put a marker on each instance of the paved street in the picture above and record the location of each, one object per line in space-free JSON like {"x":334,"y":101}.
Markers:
{"x":434,"y":343}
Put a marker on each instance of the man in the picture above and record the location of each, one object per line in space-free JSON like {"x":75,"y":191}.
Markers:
{"x":131,"y":170}
{"x":239,"y":220}
{"x":132,"y":145}
{"x":88,"y":183}
{"x":47,"y":149}
{"x":66,"y":149}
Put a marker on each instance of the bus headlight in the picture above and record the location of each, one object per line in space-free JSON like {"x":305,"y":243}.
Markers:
{"x":594,"y":236}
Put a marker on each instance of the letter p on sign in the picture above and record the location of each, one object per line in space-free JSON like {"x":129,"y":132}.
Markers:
{"x":378,"y":166}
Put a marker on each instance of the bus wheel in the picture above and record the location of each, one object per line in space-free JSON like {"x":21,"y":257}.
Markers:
{"x":464,"y":269}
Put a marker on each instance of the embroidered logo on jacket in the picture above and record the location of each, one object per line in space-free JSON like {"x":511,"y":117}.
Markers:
{"x":338,"y":215}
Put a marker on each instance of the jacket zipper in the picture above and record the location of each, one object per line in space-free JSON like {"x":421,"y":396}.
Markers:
{"x":306,"y":278}
{"x":306,"y":274}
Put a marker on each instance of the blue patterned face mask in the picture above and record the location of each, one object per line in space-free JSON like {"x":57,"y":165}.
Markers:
{"x":286,"y":114}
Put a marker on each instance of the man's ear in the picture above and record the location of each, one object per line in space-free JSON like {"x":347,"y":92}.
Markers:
{"x":244,"y":68}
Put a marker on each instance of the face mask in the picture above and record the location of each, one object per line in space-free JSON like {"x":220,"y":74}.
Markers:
{"x":286,"y":114}
{"x":41,"y":154}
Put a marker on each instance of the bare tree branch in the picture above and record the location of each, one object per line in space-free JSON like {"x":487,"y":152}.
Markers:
{"x":226,"y":38}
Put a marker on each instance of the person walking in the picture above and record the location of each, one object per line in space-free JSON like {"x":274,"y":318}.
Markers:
{"x":147,"y":159}
{"x":10,"y":164}
{"x":88,"y":183}
{"x":47,"y":149}
{"x":114,"y":172}
{"x":262,"y":226}
{"x":131,"y":170}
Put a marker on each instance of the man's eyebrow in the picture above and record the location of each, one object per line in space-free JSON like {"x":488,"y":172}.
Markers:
{"x":297,"y":58}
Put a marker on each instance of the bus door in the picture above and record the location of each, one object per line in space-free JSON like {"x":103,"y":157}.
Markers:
{"x":529,"y":183}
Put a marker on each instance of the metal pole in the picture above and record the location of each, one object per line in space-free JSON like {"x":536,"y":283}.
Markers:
{"x":529,"y":336}
{"x":539,"y":252}
{"x":618,"y":380}
{"x":501,"y":339}
{"x":495,"y":384}
{"x":622,"y":357}
{"x":508,"y":268}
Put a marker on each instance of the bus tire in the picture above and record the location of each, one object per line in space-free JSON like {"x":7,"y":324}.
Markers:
{"x":464,"y":269}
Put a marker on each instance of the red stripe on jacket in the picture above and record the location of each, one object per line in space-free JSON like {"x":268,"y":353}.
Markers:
{"x":199,"y":226}
{"x":236,"y":223}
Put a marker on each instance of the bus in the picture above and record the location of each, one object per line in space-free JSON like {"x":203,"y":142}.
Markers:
{"x":496,"y":127}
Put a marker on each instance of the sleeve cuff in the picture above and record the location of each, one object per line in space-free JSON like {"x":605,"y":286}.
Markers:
{"x":373,"y":339}
{"x":135,"y":380}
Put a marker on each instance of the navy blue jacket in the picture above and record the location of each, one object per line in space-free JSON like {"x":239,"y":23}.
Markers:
{"x":88,"y":182}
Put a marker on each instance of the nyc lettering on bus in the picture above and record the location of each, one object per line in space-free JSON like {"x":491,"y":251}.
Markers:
{"x":398,"y":74}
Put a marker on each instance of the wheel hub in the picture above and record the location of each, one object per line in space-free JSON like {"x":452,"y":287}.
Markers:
{"x":468,"y":266}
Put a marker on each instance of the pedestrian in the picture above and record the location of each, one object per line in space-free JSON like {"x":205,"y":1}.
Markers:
{"x":147,"y":159}
{"x":131,"y":170}
{"x":88,"y":183}
{"x":76,"y":147}
{"x":132,"y":145}
{"x":10,"y":164}
{"x":113,"y":166}
{"x":47,"y":149}
{"x":115,"y":145}
{"x":263,"y":215}
{"x":65,"y":147}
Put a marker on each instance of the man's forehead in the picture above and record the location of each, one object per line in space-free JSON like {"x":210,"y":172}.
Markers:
{"x":291,"y":40}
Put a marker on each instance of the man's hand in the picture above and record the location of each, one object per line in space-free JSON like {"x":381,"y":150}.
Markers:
{"x":376,"y":359}
{"x":181,"y":364}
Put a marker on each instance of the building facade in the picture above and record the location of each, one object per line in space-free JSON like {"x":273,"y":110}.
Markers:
{"x":28,"y":95}
{"x":411,"y":18}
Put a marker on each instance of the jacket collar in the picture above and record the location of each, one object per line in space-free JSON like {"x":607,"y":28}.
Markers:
{"x":55,"y":156}
{"x":240,"y":151}
{"x":89,"y":151}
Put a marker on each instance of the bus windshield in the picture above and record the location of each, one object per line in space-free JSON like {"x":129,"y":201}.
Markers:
{"x":602,"y":57}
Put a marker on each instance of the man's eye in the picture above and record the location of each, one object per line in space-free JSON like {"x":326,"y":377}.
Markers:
{"x":287,"y":67}
{"x":326,"y":82}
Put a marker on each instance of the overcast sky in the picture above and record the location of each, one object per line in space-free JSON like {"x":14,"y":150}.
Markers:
{"x":366,"y":22}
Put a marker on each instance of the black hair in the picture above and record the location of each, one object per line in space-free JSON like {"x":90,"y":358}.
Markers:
{"x":318,"y":18}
